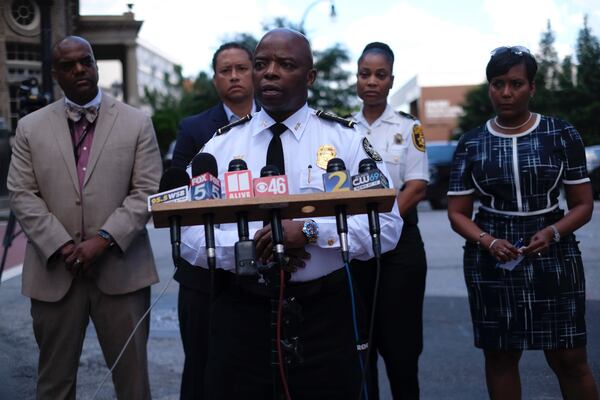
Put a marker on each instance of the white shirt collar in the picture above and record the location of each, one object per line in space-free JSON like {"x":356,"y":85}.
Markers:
{"x":388,"y":116}
{"x":296,"y":122}
{"x":232,"y":117}
{"x":94,"y":102}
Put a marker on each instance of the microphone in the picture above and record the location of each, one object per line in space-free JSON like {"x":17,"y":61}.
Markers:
{"x":206,"y":186}
{"x":238,"y":185}
{"x":238,"y":180}
{"x":337,"y":178}
{"x":173,"y":187}
{"x":271,"y":183}
{"x":370,"y":177}
{"x":334,"y":180}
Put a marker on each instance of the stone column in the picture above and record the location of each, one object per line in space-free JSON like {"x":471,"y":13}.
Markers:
{"x":130,"y":82}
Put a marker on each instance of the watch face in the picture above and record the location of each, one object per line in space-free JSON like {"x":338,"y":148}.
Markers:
{"x":310,"y":231}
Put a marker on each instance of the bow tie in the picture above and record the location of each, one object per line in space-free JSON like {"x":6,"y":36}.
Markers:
{"x":75,"y":112}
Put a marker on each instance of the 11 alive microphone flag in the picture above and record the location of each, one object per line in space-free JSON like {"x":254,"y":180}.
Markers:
{"x":238,"y":184}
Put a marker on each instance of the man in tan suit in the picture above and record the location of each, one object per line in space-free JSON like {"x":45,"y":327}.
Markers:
{"x":80,"y":173}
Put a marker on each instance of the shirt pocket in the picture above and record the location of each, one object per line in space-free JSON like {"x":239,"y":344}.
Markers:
{"x":311,"y":181}
{"x":395,"y":161}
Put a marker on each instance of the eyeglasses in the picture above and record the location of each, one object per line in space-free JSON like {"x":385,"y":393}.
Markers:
{"x":67,"y":66}
{"x":516,"y":50}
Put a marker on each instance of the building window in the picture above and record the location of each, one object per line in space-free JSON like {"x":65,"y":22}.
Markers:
{"x":22,"y":52}
{"x":23,"y":12}
{"x":23,"y":16}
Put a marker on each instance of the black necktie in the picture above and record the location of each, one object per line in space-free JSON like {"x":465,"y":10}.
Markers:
{"x":275,"y":150}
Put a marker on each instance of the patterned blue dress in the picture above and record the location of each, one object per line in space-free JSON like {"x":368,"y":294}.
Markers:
{"x":541,"y":303}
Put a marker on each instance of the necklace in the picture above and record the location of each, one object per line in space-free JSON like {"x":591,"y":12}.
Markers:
{"x":513,"y":127}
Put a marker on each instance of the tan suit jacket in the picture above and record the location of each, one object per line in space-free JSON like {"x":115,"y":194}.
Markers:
{"x":123,"y":169}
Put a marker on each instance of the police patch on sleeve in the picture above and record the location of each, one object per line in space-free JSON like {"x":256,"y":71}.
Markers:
{"x":370,"y":150}
{"x":418,"y":137}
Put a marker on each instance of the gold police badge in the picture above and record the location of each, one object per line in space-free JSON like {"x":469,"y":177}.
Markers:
{"x":325,"y":153}
{"x":418,"y":137}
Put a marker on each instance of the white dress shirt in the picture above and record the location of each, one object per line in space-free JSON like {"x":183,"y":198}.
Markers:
{"x":305,"y":135}
{"x":392,"y":136}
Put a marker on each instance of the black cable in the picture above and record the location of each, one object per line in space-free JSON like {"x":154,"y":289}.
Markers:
{"x":371,"y":324}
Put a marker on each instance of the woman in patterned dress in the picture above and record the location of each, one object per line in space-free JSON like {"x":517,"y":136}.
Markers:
{"x":517,"y":162}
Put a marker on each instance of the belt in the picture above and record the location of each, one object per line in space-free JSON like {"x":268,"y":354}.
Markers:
{"x":326,"y":284}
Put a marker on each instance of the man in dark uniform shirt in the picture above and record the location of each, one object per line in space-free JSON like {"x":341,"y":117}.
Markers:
{"x":232,"y":65}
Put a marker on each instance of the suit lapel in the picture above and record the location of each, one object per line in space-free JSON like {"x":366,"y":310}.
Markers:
{"x":62,"y":134}
{"x":106,"y":119}
{"x":219,"y":116}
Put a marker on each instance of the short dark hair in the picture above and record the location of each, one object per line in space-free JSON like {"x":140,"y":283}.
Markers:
{"x":227,"y":46}
{"x":500,"y":63}
{"x":378,"y":48}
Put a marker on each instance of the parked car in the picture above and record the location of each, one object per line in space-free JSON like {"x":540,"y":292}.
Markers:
{"x":592,"y":155}
{"x":440,"y":154}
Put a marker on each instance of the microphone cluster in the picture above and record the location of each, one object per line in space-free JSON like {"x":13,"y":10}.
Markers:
{"x":238,"y":183}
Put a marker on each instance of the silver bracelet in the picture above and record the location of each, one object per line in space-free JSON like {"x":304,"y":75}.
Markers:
{"x":481,"y":236}
{"x":493,"y":243}
{"x":555,"y":233}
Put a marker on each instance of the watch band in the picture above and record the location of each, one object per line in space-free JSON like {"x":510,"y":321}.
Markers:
{"x":106,"y":236}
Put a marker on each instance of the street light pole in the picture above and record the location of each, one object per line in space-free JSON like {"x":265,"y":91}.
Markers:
{"x":332,"y":13}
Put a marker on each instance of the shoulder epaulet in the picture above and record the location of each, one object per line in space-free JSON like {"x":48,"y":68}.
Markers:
{"x":226,"y":128}
{"x":407,"y":115}
{"x":331,"y":117}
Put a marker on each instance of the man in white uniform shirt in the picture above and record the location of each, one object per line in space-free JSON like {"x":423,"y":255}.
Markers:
{"x":239,"y":363}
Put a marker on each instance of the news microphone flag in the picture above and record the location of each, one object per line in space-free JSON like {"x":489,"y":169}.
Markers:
{"x":337,"y":178}
{"x":238,"y":184}
{"x":205,"y":187}
{"x":173,"y":187}
{"x":170,"y":196}
{"x":270,"y":183}
{"x":373,"y":179}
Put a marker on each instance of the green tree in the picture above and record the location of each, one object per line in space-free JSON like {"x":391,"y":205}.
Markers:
{"x":546,"y":79}
{"x":584,"y":115}
{"x":333,"y":90}
{"x":477,"y":108}
{"x":568,"y":90}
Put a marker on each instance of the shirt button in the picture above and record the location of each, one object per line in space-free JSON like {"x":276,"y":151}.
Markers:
{"x":78,"y":202}
{"x":330,"y":242}
{"x":84,"y":168}
{"x":84,"y":148}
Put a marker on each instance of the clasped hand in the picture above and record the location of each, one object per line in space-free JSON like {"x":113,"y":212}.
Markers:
{"x":79,"y":258}
{"x":539,"y":243}
{"x":293,"y":241}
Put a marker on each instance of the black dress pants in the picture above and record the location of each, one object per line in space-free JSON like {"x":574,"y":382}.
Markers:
{"x":239,"y":355}
{"x":193,"y":309}
{"x":398,"y":332}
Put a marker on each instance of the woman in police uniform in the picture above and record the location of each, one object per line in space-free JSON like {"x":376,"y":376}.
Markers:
{"x":398,"y":137}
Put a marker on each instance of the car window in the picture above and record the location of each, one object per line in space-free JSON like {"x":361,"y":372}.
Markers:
{"x":440,"y":154}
